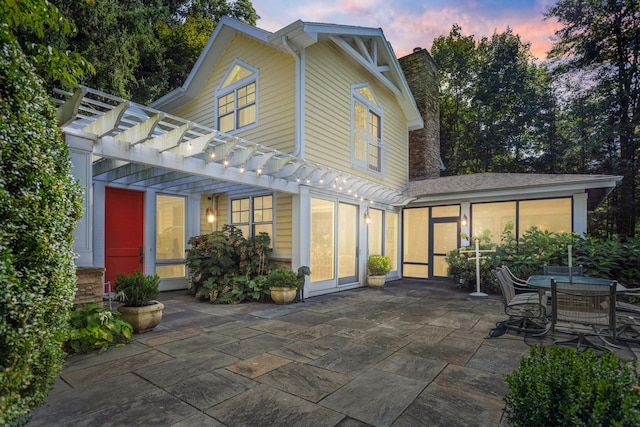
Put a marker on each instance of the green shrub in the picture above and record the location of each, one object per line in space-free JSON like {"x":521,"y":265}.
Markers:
{"x":39,"y":209}
{"x":223,"y":265}
{"x":378,"y":265}
{"x":612,"y":259}
{"x":282,"y":278}
{"x":560,"y":387}
{"x":94,"y":327}
{"x":137,"y":289}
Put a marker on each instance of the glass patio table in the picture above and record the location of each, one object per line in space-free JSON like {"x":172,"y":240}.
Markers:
{"x":544,"y":282}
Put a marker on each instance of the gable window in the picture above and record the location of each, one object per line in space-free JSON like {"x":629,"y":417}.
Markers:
{"x":236,"y":98}
{"x":367,"y":129}
{"x":253,"y":215}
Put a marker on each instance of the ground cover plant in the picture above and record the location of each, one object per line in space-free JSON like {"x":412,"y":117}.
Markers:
{"x":96,"y":328}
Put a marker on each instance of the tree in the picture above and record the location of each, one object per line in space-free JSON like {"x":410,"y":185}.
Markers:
{"x":144,"y":48}
{"x":494,"y":103}
{"x":39,"y":207}
{"x":599,"y":43}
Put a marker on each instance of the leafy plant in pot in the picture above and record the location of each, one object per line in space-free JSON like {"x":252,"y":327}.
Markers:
{"x":283,"y":285}
{"x":378,"y":266}
{"x":137,"y":292}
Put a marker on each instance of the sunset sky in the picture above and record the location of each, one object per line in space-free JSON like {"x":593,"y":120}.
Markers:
{"x":411,"y":23}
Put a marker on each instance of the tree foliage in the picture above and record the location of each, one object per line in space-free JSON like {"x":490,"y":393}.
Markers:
{"x":493,"y":103}
{"x":144,"y":48}
{"x":39,"y":207}
{"x":598,"y":45}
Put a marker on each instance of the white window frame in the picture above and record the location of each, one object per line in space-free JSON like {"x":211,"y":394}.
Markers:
{"x":371,"y":107}
{"x":222,"y":91}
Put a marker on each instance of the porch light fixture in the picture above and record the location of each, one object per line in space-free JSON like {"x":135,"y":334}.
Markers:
{"x":367,"y":218}
{"x":465,"y":220}
{"x":210,"y":215}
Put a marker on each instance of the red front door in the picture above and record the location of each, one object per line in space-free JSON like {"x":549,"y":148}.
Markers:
{"x":124,"y":211}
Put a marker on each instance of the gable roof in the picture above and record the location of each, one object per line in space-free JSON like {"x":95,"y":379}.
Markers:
{"x":366,"y":46}
{"x":514,"y":185}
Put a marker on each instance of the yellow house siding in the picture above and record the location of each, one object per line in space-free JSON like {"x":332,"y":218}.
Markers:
{"x":221,"y":213}
{"x":284,"y":225}
{"x":329,"y":77}
{"x":276,"y":94}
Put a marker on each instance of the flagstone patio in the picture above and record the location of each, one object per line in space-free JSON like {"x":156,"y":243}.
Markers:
{"x":412,"y":353}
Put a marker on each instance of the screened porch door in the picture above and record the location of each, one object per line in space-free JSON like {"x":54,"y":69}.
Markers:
{"x":334,"y":245}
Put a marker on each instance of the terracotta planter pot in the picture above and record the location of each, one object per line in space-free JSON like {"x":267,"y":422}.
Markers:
{"x":283,"y":295}
{"x":142,"y":319}
{"x":376,"y":281}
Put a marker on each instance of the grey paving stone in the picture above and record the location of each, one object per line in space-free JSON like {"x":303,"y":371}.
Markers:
{"x":301,"y":351}
{"x":314,"y":332}
{"x":474,"y":382}
{"x":278,"y":327}
{"x":190,"y":365}
{"x":246,"y":348}
{"x":419,"y":368}
{"x":440,"y":406}
{"x":97,"y":373}
{"x":202,"y":342}
{"x":497,"y":360}
{"x":376,"y":397}
{"x":200,"y":419}
{"x":308,"y":382}
{"x":157,"y":408}
{"x":265,"y":406}
{"x":350,"y":359}
{"x":211,"y":388}
{"x":75,"y":403}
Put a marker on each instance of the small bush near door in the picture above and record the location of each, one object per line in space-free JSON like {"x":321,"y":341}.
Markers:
{"x":560,"y":387}
{"x":226,"y":268}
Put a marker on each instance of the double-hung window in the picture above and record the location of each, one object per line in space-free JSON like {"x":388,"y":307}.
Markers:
{"x":367,"y":129}
{"x":236,"y":98}
{"x":253,"y":215}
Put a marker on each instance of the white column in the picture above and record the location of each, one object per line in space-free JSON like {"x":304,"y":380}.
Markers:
{"x":580,"y":213}
{"x":80,"y":151}
{"x":301,"y":238}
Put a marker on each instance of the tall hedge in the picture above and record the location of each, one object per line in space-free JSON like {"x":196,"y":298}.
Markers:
{"x":39,"y":208}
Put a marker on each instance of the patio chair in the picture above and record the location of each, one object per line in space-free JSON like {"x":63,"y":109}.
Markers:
{"x":628,"y":318}
{"x":563,"y":270}
{"x":526,"y":310}
{"x":584,"y":311}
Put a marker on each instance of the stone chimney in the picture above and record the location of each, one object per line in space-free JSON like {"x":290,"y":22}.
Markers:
{"x":421,"y":74}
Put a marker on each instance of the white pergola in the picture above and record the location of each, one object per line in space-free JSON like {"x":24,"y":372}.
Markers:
{"x":140,"y":146}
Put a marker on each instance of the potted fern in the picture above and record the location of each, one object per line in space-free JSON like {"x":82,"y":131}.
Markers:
{"x":378,"y":267}
{"x":137,"y":292}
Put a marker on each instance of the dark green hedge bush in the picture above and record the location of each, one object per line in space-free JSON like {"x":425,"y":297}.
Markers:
{"x":560,"y":387}
{"x":39,"y":208}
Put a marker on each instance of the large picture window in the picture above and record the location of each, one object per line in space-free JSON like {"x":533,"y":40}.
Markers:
{"x":253,"y":215}
{"x":367,"y":129}
{"x":545,"y":214}
{"x":236,"y":98}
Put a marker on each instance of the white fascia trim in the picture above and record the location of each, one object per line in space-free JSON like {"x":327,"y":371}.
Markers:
{"x":223,"y":33}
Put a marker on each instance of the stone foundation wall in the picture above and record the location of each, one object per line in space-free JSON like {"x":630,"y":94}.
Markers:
{"x":282,"y":262}
{"x":88,"y":285}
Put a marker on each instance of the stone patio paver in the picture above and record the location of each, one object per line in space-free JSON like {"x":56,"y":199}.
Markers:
{"x":413,"y":353}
